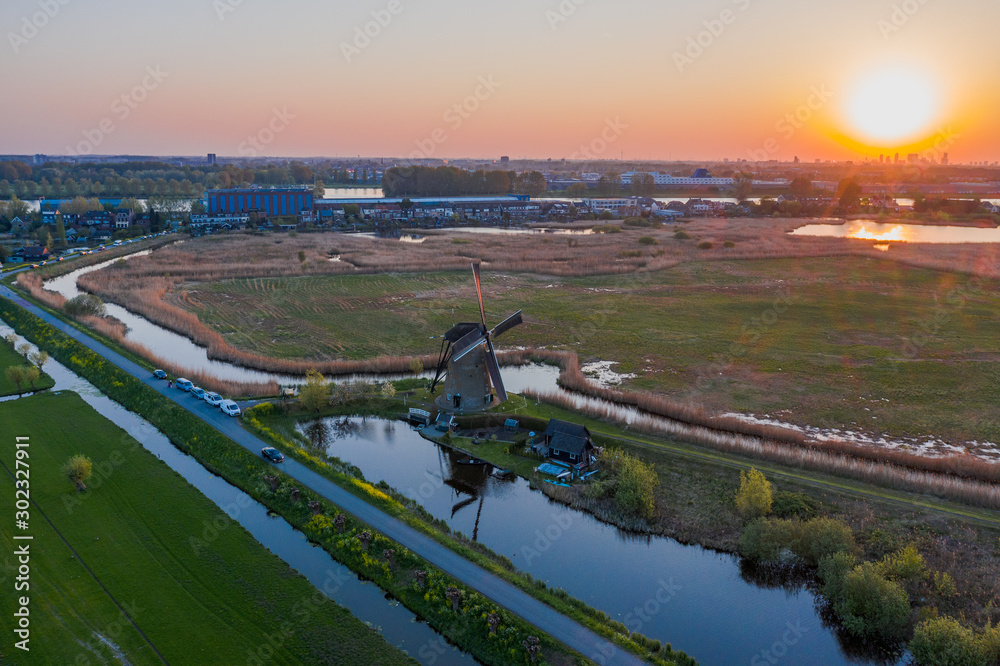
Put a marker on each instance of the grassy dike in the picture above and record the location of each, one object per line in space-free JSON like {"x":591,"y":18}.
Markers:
{"x":122,"y":546}
{"x":247,"y":471}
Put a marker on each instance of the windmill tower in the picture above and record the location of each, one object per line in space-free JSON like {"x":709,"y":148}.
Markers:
{"x":469,"y":360}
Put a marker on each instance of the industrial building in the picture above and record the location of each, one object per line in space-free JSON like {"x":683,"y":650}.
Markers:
{"x":272,"y":201}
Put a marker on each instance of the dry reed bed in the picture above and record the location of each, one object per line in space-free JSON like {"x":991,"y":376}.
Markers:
{"x":964,"y":466}
{"x":886,"y":474}
{"x":116,"y":330}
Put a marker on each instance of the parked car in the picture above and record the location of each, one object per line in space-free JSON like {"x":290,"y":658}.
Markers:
{"x":185,"y":384}
{"x":159,"y":374}
{"x":198,"y":392}
{"x":272,"y":454}
{"x":213,"y":399}
{"x":230,"y":407}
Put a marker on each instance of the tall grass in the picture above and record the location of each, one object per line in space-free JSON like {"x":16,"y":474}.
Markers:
{"x":889,"y":472}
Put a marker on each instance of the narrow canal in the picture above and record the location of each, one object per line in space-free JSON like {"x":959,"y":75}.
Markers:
{"x":366,"y":601}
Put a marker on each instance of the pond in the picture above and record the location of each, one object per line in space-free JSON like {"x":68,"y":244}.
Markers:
{"x":900,"y":233}
{"x":366,"y":601}
{"x":703,"y":602}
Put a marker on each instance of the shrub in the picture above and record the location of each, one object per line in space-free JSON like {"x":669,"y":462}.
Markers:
{"x":942,"y":641}
{"x":754,"y":498}
{"x":794,"y":505}
{"x":822,"y":537}
{"x":630,"y":254}
{"x":766,"y":540}
{"x":85,"y":305}
{"x":607,"y":229}
{"x":705,"y":245}
{"x":872,"y":605}
{"x":832,"y":571}
{"x":729,"y":244}
{"x":905,"y":566}
{"x":635,"y":482}
{"x":648,"y":240}
{"x":682,"y":235}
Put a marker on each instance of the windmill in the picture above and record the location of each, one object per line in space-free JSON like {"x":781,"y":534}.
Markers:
{"x":469,"y":360}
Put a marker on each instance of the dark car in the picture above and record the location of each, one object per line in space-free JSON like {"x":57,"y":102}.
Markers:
{"x":272,"y":454}
{"x":159,"y":374}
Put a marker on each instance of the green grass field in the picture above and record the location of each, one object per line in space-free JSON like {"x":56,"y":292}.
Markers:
{"x":132,"y":529}
{"x":829,"y":342}
{"x":8,"y":358}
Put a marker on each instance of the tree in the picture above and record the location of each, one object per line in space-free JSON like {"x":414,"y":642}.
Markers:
{"x":743,"y":186}
{"x":530,"y":182}
{"x":388,"y":390}
{"x":32,"y":375}
{"x":319,"y":190}
{"x":60,"y":230}
{"x":16,"y":208}
{"x":872,"y":605}
{"x":634,"y":482}
{"x":406,"y":206}
{"x":17,"y":375}
{"x":849,"y":194}
{"x":417,"y":366}
{"x":643,"y":184}
{"x":610,"y":184}
{"x":943,"y":641}
{"x":85,"y":305}
{"x":801,"y":186}
{"x":39,"y":358}
{"x":577,"y":191}
{"x":315,"y":393}
{"x":132,"y":204}
{"x":755,"y":496}
{"x":78,"y":469}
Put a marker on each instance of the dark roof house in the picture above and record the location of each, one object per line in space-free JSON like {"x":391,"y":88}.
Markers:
{"x":569,"y":442}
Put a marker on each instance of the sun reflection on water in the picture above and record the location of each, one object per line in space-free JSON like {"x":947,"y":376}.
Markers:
{"x":897,"y":233}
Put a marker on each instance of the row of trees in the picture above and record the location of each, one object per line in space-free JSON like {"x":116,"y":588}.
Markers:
{"x":452,"y":181}
{"x":21,"y":375}
{"x":146,"y":179}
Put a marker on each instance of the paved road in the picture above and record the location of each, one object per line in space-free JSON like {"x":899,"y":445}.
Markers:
{"x":544,"y":617}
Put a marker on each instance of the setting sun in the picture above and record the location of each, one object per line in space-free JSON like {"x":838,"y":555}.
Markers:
{"x":893,"y":104}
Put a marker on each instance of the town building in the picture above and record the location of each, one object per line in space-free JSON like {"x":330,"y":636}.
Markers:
{"x":272,"y":201}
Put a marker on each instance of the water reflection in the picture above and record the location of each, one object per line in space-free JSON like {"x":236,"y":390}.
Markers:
{"x":720,"y":610}
{"x":901,"y":233}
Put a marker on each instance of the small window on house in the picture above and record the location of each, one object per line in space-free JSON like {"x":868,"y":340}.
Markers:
{"x":572,"y":456}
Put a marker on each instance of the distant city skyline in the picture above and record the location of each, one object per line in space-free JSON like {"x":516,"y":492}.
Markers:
{"x":736,"y":79}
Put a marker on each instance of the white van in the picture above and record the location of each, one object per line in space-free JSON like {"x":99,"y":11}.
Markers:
{"x":230,"y":407}
{"x":185,"y":384}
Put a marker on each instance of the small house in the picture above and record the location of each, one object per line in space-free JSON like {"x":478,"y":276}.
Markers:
{"x":569,"y":443}
{"x":36,"y":253}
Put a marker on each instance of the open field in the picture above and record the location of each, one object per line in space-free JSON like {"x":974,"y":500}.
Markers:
{"x":846,"y":342}
{"x":9,"y":358}
{"x":823,"y":332}
{"x":132,"y":529}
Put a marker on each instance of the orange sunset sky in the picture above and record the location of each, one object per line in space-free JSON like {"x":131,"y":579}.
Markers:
{"x":683,"y":80}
